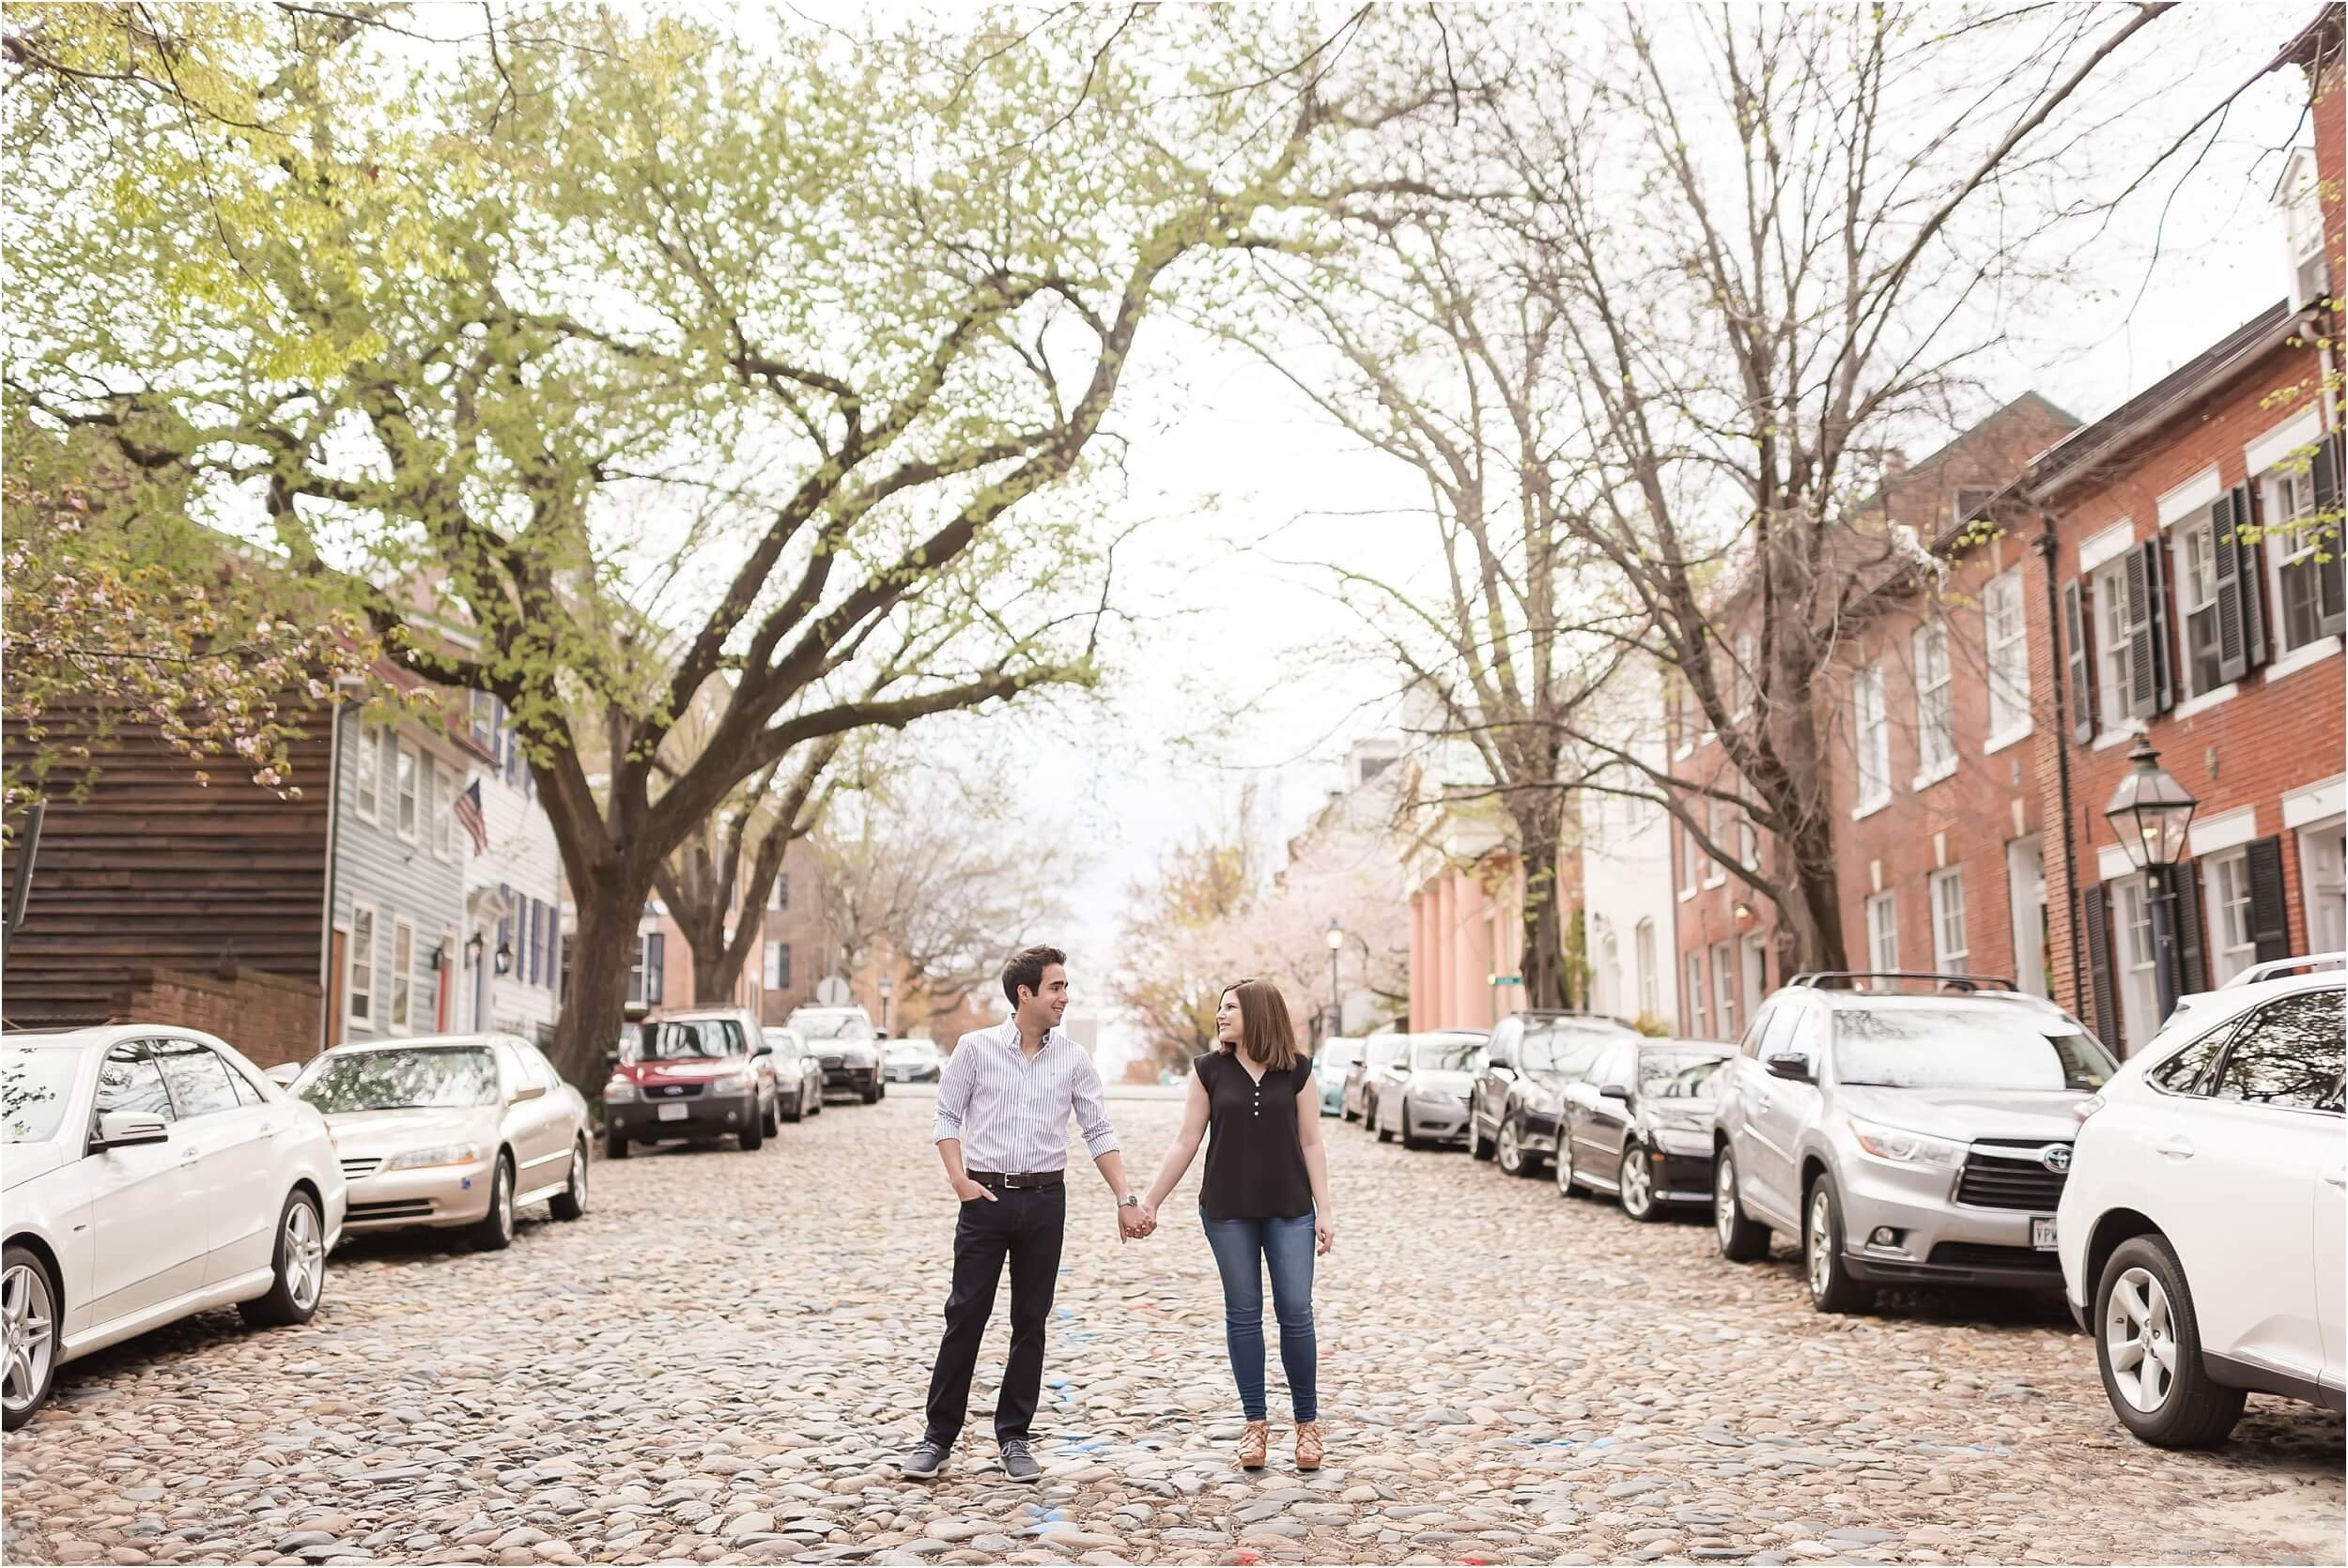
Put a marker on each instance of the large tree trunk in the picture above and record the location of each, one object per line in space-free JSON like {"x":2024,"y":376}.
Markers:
{"x":714,"y":971}
{"x":603,"y":948}
{"x":1543,"y":966}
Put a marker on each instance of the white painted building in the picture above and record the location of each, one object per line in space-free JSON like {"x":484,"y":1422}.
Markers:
{"x":513,"y":945}
{"x":1627,"y":898}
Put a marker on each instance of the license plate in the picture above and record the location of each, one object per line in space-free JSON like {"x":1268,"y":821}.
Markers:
{"x":2042,"y":1234}
{"x":675,"y":1113}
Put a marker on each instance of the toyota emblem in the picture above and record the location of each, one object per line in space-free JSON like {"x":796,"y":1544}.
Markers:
{"x":2056,"y":1157}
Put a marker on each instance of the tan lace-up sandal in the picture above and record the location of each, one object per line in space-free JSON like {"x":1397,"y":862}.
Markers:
{"x":1308,"y":1445}
{"x":1254,"y":1439}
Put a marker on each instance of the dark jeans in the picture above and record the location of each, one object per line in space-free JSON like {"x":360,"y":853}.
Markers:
{"x":1023,"y":1227}
{"x":1243,"y":1247}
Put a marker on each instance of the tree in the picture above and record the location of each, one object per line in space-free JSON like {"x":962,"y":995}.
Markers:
{"x":717,"y":883}
{"x":1176,"y":958}
{"x":781,"y":351}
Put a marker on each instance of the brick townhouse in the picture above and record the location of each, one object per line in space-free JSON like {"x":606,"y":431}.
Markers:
{"x":1926,"y":706}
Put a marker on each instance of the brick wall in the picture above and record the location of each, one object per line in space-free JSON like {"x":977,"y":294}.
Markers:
{"x":271,"y":1018}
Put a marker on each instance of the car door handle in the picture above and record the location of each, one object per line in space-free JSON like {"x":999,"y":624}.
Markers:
{"x":2338,"y":1178}
{"x":1761,"y":1102}
{"x":188,"y":1155}
{"x":2174,"y":1147}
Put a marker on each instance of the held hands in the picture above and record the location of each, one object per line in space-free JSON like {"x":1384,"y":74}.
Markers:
{"x":1325,"y":1233}
{"x":1134,"y":1224}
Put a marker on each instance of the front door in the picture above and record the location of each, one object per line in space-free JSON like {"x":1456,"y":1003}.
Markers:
{"x":2026,"y":888}
{"x":148,"y":1226}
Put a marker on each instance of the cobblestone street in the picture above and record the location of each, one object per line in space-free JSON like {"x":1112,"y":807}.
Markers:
{"x":722,"y":1360}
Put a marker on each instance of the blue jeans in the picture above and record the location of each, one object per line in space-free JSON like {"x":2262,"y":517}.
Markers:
{"x":1241,"y":1249}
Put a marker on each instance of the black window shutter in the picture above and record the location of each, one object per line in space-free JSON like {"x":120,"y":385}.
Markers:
{"x":2270,"y":912}
{"x":2156,"y":554}
{"x":2082,"y":669}
{"x":2192,"y":966}
{"x":2249,"y":570}
{"x":2098,"y":928}
{"x":2332,"y":599}
{"x":2137,"y":590}
{"x":2226,"y":519}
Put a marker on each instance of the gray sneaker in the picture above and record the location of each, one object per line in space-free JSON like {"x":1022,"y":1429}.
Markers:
{"x":927,"y":1458}
{"x":1018,"y":1463}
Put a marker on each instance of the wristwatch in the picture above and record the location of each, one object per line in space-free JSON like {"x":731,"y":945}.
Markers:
{"x":1129,"y":1201}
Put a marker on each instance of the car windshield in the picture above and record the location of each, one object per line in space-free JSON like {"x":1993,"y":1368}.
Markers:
{"x":1544,"y":1047}
{"x":443,"y":1078}
{"x":907,"y":1051}
{"x":1385,"y":1053}
{"x":1337,"y":1057}
{"x":1446,"y":1056}
{"x":679,"y":1040}
{"x":1990,"y":1047}
{"x":832,"y":1026}
{"x":33,"y":1088}
{"x":1679,"y":1074}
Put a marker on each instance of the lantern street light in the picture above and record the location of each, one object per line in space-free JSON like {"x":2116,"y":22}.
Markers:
{"x":2149,"y":814}
{"x":1336,"y":938}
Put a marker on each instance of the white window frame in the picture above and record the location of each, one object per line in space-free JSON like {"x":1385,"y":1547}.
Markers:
{"x":405,"y":805}
{"x":2005,"y":633}
{"x":1871,"y":740}
{"x":2193,"y":545}
{"x":1883,"y":932}
{"x":1725,"y":987}
{"x":1689,"y":854}
{"x":2133,"y":961}
{"x":1714,"y":872}
{"x":2226,"y":897}
{"x":443,"y":811}
{"x":2276,"y":484}
{"x":1952,"y":948}
{"x":1935,"y":703}
{"x":367,"y":774}
{"x":402,"y":1019}
{"x":356,"y":953}
{"x":773,"y":973}
{"x":1643,"y":938}
{"x":1697,"y":1011}
{"x":2107,"y":586}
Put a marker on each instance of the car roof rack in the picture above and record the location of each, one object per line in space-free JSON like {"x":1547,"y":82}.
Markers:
{"x":1847,"y":979}
{"x":2273,"y":967}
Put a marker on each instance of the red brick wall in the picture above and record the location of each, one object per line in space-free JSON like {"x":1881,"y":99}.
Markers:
{"x":271,"y":1018}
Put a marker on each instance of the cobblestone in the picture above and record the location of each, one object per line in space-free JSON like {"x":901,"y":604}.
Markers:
{"x":722,"y":1360}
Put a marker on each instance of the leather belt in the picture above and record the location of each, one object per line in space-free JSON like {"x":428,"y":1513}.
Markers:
{"x":1017,"y":1181}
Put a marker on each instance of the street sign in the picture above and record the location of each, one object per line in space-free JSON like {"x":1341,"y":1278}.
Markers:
{"x":1506,"y":980}
{"x":831,"y":992}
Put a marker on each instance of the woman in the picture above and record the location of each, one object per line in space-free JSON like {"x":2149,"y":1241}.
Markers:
{"x":1265,"y":1199}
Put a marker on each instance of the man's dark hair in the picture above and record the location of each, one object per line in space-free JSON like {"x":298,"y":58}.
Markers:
{"x":1026,"y":968}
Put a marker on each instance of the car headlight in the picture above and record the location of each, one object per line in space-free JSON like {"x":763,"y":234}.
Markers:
{"x":1540,"y":1097}
{"x":447,"y":1154}
{"x":1903,"y":1147}
{"x":734,"y":1082}
{"x":619,"y":1092}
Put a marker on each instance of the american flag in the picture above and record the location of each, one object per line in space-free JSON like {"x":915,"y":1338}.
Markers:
{"x":468,"y":809}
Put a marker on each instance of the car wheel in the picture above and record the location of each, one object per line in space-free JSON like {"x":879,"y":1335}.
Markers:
{"x":614,"y":1146}
{"x":494,"y":1231}
{"x":1741,"y":1239}
{"x":1345,"y":1112}
{"x":29,"y":1299}
{"x":2148,"y":1346}
{"x":1377,"y":1114}
{"x":754,"y":1135}
{"x":1635,"y":1183}
{"x":1478,"y":1149}
{"x":1409,"y":1139}
{"x":872,"y":1094}
{"x":770,"y":1120}
{"x":1831,"y":1286}
{"x":1568,"y":1182}
{"x":570,"y":1203}
{"x":299,"y":1281}
{"x":1512,"y":1154}
{"x":799,"y":1105}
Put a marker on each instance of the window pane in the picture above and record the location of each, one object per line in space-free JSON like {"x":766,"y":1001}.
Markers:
{"x":2290,"y":1054}
{"x":198,"y":1079}
{"x":2187,"y":1071}
{"x":129,"y":1081}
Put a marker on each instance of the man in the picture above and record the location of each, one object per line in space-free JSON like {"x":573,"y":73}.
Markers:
{"x":1003,"y":1105}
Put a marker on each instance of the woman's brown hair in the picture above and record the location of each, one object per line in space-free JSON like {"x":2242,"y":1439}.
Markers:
{"x":1263,"y":1024}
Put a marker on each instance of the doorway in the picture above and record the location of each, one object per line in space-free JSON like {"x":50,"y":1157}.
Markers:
{"x":2026,"y":886}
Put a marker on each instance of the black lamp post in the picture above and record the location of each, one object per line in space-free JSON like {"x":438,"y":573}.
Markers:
{"x":2149,"y":814}
{"x":1336,"y":938}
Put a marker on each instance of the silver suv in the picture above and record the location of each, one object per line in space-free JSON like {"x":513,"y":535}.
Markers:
{"x":1916,"y":1136}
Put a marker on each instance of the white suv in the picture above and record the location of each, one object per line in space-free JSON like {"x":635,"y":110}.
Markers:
{"x":2201,"y":1231}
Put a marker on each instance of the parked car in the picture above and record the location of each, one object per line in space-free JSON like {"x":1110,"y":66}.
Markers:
{"x":849,"y":1046}
{"x":1904,"y":1138}
{"x":912,"y":1062}
{"x":727,"y":1024}
{"x":1330,"y":1064}
{"x":151,"y":1173}
{"x":692,"y":1076}
{"x":1638,"y":1124}
{"x":1379,"y":1054}
{"x":451,"y":1132}
{"x":2200,"y":1230}
{"x":1426,"y":1101}
{"x":1514,"y":1104}
{"x":798,"y":1074}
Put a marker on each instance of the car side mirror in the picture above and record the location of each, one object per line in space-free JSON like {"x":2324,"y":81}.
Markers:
{"x":529,"y":1091}
{"x":1403,"y":1069}
{"x":761,"y":1048}
{"x":284,"y":1074}
{"x":1614,"y":1091}
{"x":1797,"y":1069}
{"x":122,"y":1129}
{"x":1501,"y":1070}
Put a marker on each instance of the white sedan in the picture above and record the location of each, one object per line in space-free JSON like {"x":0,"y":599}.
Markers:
{"x":151,"y":1173}
{"x":2200,"y":1227}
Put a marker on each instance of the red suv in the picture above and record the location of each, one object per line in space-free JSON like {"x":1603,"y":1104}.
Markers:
{"x":690,"y":1075}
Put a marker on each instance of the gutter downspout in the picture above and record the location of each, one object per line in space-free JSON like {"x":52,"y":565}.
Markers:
{"x":2046,"y":546}
{"x":326,"y":917}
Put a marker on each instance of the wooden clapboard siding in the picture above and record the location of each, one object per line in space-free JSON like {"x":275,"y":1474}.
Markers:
{"x":400,"y":879}
{"x":153,"y":868}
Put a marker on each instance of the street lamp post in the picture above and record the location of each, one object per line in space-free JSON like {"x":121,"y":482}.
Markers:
{"x":1336,"y":938}
{"x":2149,"y":814}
